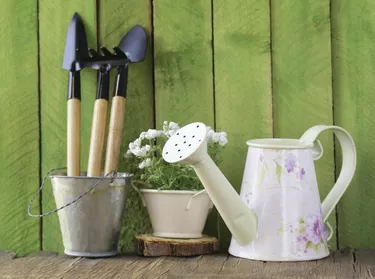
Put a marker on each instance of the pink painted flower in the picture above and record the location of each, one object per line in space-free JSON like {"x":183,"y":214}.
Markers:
{"x":314,"y":229}
{"x":290,"y":162}
{"x":302,"y":238}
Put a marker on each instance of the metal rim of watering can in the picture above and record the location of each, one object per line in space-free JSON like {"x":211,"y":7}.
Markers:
{"x":112,"y":173}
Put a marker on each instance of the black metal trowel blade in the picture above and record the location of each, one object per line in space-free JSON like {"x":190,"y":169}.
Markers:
{"x":76,"y":49}
{"x":134,"y":44}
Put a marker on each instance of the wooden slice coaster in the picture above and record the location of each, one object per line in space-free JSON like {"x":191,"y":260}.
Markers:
{"x":149,"y":245}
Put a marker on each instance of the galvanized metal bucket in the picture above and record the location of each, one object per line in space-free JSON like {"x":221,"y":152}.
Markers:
{"x":90,"y":211}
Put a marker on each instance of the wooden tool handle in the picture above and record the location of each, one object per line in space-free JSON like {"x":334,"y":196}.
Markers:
{"x":116,"y":124}
{"x":97,"y":137}
{"x":73,"y":136}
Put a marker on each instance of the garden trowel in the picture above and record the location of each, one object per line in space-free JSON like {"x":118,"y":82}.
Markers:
{"x":133,"y":48}
{"x":76,"y":51}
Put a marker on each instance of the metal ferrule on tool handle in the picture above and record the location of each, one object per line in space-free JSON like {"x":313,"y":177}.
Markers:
{"x":74,"y":87}
{"x":121,"y":81}
{"x":103,"y":84}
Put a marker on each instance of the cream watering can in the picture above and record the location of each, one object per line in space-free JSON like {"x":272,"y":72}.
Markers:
{"x":278,"y":215}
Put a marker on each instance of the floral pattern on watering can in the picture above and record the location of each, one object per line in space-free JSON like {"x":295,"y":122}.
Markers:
{"x":280,"y":186}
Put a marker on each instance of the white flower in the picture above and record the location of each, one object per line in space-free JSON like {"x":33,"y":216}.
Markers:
{"x":173,"y":126}
{"x":145,"y":163}
{"x":210,"y":133}
{"x":137,"y":142}
{"x":223,"y":138}
{"x":142,"y":135}
{"x":128,"y":154}
{"x":170,"y":133}
{"x":169,"y":129}
{"x":132,"y":146}
{"x":141,"y":151}
{"x":148,"y":162}
{"x":215,"y":137}
{"x":152,"y":133}
{"x":223,"y":141}
{"x":135,"y":150}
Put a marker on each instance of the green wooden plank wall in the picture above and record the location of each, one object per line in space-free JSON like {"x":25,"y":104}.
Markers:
{"x":302,"y":78}
{"x":251,"y":68}
{"x":19,"y":128}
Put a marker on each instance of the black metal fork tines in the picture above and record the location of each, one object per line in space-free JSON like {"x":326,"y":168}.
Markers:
{"x":106,"y":58}
{"x":104,"y":62}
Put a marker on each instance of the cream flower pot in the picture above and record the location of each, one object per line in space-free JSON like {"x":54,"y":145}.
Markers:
{"x":177,"y":214}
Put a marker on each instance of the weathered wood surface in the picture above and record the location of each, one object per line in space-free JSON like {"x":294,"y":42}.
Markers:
{"x":19,"y":125}
{"x":149,"y":245}
{"x":341,"y":264}
{"x":302,"y":79}
{"x":53,"y":97}
{"x":183,"y":67}
{"x":115,"y":20}
{"x":242,"y":73}
{"x":353,"y":31}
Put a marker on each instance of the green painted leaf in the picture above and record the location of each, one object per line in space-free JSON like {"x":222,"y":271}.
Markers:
{"x":316,"y":248}
{"x":309,"y":245}
{"x":265,"y":165}
{"x":261,"y":173}
{"x":302,"y":230}
{"x":301,"y":221}
{"x":279,"y":171}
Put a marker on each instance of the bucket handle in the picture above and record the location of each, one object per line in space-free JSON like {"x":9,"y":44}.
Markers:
{"x":66,"y":205}
{"x":193,"y":196}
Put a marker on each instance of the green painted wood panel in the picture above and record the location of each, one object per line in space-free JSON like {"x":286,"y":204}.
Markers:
{"x":116,"y":18}
{"x":183,"y":66}
{"x":353,"y":56}
{"x":19,"y":136}
{"x":54,"y":16}
{"x":243,"y":95}
{"x":301,"y":78}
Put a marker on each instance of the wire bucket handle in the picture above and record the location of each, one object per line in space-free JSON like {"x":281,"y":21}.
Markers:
{"x":112,"y":173}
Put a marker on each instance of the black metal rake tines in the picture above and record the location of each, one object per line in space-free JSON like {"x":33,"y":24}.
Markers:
{"x":105,"y":58}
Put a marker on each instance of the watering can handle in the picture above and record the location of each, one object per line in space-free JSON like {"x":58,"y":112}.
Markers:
{"x":348,"y":163}
{"x":112,"y":173}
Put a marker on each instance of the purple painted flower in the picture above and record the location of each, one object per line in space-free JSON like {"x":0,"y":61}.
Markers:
{"x":290,"y":162}
{"x":261,"y":157}
{"x":302,"y":238}
{"x":248,"y":198}
{"x":314,"y":229}
{"x":301,"y":174}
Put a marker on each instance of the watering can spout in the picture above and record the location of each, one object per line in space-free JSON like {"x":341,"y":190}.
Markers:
{"x":189,"y":146}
